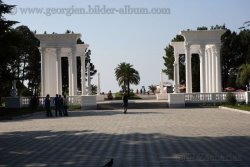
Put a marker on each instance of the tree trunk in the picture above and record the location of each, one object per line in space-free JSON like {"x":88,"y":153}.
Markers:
{"x":128,"y":89}
{"x":124,"y":87}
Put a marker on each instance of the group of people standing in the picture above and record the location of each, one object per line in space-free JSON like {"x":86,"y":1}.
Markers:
{"x":61,"y":105}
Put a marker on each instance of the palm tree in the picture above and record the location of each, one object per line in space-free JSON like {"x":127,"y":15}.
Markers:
{"x":152,"y":88}
{"x":126,"y":75}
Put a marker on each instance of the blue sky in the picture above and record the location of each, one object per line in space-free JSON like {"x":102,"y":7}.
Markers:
{"x":138,"y":39}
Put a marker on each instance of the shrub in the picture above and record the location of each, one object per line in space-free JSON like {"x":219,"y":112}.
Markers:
{"x":231,"y":99}
{"x":74,"y":107}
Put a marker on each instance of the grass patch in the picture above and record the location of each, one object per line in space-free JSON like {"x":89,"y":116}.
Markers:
{"x":239,"y":107}
{"x":132,"y":96}
{"x":74,"y":107}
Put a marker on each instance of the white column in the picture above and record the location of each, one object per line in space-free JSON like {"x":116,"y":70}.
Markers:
{"x":202,"y":69}
{"x":83,"y":76}
{"x":176,"y":89}
{"x":74,"y":72}
{"x":188,"y":69}
{"x":59,"y":71}
{"x":98,"y":85}
{"x":88,"y":76}
{"x":176,"y":72}
{"x":213,"y":70}
{"x":218,"y":67}
{"x":43,"y":52}
{"x":70,"y":74}
{"x":210,"y":69}
{"x":206,"y":70}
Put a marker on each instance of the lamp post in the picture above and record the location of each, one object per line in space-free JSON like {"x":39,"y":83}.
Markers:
{"x":161,"y":84}
{"x":88,"y":73}
{"x":98,"y":84}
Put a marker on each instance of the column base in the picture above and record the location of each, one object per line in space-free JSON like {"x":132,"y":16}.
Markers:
{"x":176,"y":100}
{"x":161,"y":96}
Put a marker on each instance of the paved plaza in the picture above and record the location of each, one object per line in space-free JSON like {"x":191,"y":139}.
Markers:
{"x":141,"y":138}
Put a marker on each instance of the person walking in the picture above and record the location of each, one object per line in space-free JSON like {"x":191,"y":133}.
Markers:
{"x":47,"y":106}
{"x":65,"y":105}
{"x":125,"y":102}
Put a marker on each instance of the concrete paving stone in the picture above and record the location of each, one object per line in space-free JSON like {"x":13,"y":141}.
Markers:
{"x":143,"y":137}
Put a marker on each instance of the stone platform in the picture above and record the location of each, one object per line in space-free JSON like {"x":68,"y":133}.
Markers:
{"x":141,"y":138}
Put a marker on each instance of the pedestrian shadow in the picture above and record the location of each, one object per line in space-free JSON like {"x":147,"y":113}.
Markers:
{"x":80,"y":113}
{"x":93,"y":113}
{"x":89,"y":148}
{"x":108,"y":113}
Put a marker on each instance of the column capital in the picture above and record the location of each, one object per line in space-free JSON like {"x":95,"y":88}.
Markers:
{"x":210,"y":51}
{"x":218,"y":44}
{"x":176,"y":55}
{"x":202,"y":51}
{"x":217,"y":47}
{"x":69,"y":57}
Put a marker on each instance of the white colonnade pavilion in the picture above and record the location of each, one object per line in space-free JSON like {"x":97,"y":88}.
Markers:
{"x":206,"y":43}
{"x":53,"y":47}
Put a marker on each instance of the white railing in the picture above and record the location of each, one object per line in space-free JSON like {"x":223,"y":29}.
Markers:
{"x":74,"y":100}
{"x":25,"y":101}
{"x":212,"y":97}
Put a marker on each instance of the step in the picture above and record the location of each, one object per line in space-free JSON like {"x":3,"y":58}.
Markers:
{"x":137,"y":105}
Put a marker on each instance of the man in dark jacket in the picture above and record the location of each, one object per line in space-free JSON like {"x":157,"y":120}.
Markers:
{"x":47,"y":106}
{"x":57,"y":105}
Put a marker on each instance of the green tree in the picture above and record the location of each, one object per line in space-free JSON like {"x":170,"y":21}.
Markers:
{"x":5,"y":25}
{"x":28,"y":59}
{"x":8,"y":49}
{"x":169,"y":61}
{"x":152,"y":88}
{"x":93,"y":89}
{"x":244,"y":75}
{"x":169,"y":58}
{"x":126,"y":75}
{"x":93,"y":71}
{"x":19,"y":55}
{"x":231,"y":57}
{"x":244,"y":38}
